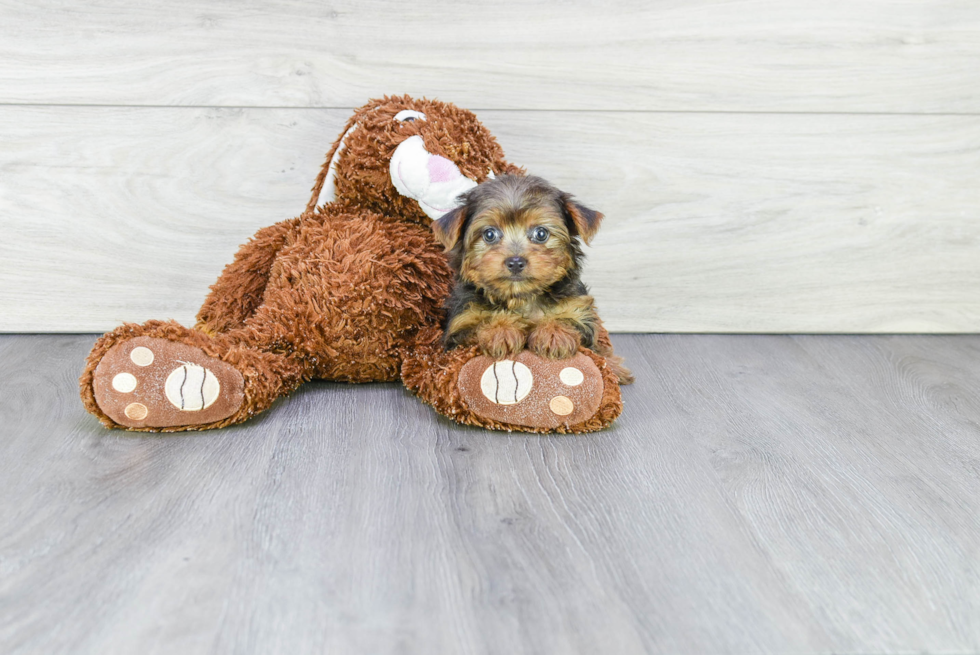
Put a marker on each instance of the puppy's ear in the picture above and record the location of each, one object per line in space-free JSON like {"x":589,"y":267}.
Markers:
{"x":449,"y":227}
{"x":584,"y":220}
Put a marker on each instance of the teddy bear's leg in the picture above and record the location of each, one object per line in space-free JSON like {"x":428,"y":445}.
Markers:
{"x":240,"y":287}
{"x":526,"y":393}
{"x":163,"y":376}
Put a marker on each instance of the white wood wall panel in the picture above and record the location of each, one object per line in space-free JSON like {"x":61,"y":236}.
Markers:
{"x":765,"y":165}
{"x":715,"y":222}
{"x":703,"y":55}
{"x":112,"y":214}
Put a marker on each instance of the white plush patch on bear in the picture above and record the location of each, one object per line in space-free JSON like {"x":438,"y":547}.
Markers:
{"x":433,"y":181}
{"x":328,"y":192}
{"x":124,"y":382}
{"x":141,"y":356}
{"x":571,"y":376}
{"x":192,"y":388}
{"x":506,"y":382}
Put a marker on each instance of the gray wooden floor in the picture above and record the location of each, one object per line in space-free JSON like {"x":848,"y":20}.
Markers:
{"x":759,"y":494}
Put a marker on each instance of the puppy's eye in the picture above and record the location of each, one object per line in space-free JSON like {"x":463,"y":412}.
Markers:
{"x":409,"y":115}
{"x":492,"y":235}
{"x":540,"y":234}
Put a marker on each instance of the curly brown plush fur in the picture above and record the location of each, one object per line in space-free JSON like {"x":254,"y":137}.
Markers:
{"x":351,"y":290}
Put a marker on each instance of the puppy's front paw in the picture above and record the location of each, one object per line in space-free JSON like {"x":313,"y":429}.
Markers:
{"x":554,"y":341}
{"x":498,"y":341}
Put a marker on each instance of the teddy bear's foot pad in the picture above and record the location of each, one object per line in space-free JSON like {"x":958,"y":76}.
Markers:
{"x":147,"y":382}
{"x":531,"y":391}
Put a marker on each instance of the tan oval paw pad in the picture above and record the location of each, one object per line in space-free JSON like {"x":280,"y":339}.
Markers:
{"x":136,"y":411}
{"x":561,"y":405}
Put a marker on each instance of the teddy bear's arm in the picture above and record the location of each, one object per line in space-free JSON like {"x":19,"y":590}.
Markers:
{"x":239,"y":289}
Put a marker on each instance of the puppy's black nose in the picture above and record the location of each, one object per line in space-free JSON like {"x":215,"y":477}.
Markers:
{"x":515,"y":264}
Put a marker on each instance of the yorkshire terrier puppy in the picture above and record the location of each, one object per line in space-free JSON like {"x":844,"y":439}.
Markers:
{"x":514,"y":244}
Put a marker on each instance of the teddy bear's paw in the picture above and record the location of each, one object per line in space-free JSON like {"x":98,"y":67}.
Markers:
{"x":147,"y":382}
{"x":531,"y":391}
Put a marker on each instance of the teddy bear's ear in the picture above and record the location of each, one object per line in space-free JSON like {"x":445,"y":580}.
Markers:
{"x":449,"y":227}
{"x":584,"y":220}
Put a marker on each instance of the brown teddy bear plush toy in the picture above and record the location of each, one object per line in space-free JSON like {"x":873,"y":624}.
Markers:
{"x":352,"y":290}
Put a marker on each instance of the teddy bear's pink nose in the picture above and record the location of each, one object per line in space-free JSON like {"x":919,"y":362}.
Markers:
{"x":441,"y":169}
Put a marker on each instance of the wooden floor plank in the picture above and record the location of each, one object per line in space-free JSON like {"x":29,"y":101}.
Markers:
{"x":844,"y":487}
{"x":742,"y":55}
{"x":768,"y":493}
